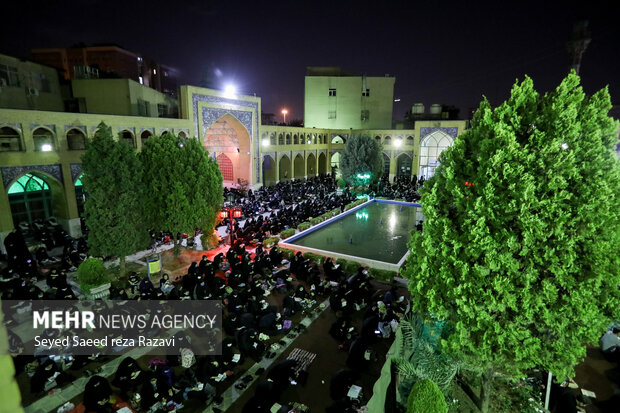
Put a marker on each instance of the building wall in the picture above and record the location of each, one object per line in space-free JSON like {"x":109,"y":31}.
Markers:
{"x":344,"y":110}
{"x":123,"y":97}
{"x":63,"y":166}
{"x":35,"y":87}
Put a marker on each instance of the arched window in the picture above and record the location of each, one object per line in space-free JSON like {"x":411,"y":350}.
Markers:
{"x":280,"y":139}
{"x":387,"y":141}
{"x":403,"y":166}
{"x":409,"y":141}
{"x":145,"y":136}
{"x":288,"y":138}
{"x":337,"y":140}
{"x":127,"y":137}
{"x":295,"y":139}
{"x":378,"y":139}
{"x":10,"y":141}
{"x":182,"y":134}
{"x":30,"y":199}
{"x":76,"y":140}
{"x":272,"y":138}
{"x":432,"y":146}
{"x":43,"y":140}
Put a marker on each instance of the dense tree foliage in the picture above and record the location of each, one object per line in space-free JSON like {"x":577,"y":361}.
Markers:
{"x":520,"y":250}
{"x":113,"y":209}
{"x":426,"y":397}
{"x":183,"y":185}
{"x":361,"y":155}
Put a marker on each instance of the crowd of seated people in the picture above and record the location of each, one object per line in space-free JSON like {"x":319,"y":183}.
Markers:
{"x":243,"y":283}
{"x":269,"y":210}
{"x":403,"y":187}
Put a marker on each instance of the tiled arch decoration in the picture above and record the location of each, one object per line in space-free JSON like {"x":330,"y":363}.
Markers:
{"x":10,"y":173}
{"x":424,"y":132}
{"x":210,"y":115}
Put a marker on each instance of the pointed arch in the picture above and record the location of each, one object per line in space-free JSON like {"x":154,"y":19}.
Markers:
{"x":403,"y":165}
{"x":145,"y":136}
{"x":43,"y":139}
{"x":127,"y":137}
{"x":298,"y":167}
{"x":35,"y":196}
{"x":228,"y":136}
{"x":311,"y":165}
{"x":269,"y":170}
{"x":76,"y":139}
{"x":322,"y":163}
{"x":226,"y":167}
{"x":284,"y":166}
{"x":432,"y":146}
{"x":10,"y":140}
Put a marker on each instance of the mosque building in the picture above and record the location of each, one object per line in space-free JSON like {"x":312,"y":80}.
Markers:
{"x":43,"y":134}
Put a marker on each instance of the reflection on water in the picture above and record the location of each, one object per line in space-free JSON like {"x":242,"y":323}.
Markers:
{"x":379,"y":232}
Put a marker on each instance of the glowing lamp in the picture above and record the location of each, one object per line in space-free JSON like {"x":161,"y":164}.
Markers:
{"x":223,"y":214}
{"x":46,"y":147}
{"x":398,"y":142}
{"x":265,"y":142}
{"x":230,"y":90}
{"x":237,"y":213}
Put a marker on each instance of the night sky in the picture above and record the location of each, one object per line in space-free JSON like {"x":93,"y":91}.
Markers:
{"x":440,"y":51}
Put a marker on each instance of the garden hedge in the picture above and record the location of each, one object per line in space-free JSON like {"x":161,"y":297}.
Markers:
{"x":287,"y":233}
{"x":426,"y":397}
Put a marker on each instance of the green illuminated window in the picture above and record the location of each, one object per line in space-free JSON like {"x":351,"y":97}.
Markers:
{"x":30,"y":199}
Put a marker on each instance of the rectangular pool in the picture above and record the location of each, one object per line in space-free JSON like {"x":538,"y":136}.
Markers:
{"x":374,"y":233}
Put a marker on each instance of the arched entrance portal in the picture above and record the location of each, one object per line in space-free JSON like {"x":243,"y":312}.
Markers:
{"x":311,"y":168}
{"x":403,"y":166}
{"x":285,"y":168}
{"x":228,"y":137}
{"x":269,"y":171}
{"x":299,"y":167}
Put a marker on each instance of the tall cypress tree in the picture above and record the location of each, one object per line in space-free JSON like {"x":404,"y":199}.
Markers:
{"x":520,"y":253}
{"x":183,"y":184}
{"x":361,"y":155}
{"x":113,"y":208}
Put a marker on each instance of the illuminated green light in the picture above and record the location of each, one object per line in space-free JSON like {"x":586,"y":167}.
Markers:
{"x":362,"y":215}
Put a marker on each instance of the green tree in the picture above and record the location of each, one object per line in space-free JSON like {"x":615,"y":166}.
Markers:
{"x":426,"y":397}
{"x":183,"y":184}
{"x":520,"y":250}
{"x":361,"y":155}
{"x":112,"y":179}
